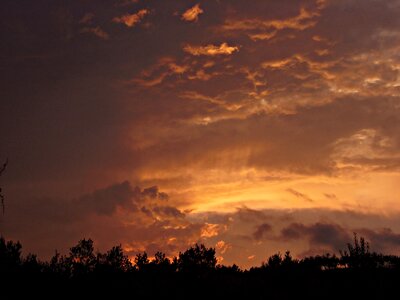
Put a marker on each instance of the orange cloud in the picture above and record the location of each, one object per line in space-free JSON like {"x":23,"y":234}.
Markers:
{"x":211,"y":50}
{"x":202,"y":75}
{"x":302,"y":21}
{"x":150,"y":82}
{"x":262,"y":29}
{"x":263,"y":36}
{"x":97,"y":31}
{"x":192,"y":14}
{"x":210,"y":230}
{"x":157,"y":73}
{"x":222,"y":246}
{"x":196,"y":96}
{"x":131,"y":20}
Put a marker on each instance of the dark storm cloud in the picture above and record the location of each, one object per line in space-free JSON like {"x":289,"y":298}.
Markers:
{"x":153,"y":193}
{"x":250,"y":215}
{"x":168,"y":211}
{"x":105,"y":201}
{"x":109,"y":215}
{"x":318,"y":234}
{"x":261,"y":229}
{"x":384,"y":239}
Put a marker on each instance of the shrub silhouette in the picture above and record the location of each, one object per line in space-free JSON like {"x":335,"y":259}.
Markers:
{"x":277,"y":262}
{"x":320,"y":262}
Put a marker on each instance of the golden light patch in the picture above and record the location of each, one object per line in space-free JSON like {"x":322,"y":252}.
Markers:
{"x":210,"y":230}
{"x":222,"y":247}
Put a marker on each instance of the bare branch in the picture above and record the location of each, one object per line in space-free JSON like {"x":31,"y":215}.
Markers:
{"x":2,"y":169}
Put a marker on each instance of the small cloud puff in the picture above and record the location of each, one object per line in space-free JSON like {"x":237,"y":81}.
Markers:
{"x":131,"y":20}
{"x":192,"y":14}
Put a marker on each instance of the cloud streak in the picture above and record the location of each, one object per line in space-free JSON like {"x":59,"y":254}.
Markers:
{"x":299,"y":195}
{"x":211,"y":50}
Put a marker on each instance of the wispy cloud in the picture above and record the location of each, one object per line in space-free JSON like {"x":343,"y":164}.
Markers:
{"x":265,"y":29}
{"x":192,"y":14}
{"x":131,"y":20}
{"x":299,"y":195}
{"x":211,"y":50}
{"x":97,"y":31}
{"x":302,"y":21}
{"x":157,"y":73}
{"x":87,"y":18}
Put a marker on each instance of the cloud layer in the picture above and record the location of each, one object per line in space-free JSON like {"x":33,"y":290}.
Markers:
{"x":265,"y":124}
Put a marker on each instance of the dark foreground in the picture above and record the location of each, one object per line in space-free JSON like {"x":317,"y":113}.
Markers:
{"x":194,"y":274}
{"x":383,"y":284}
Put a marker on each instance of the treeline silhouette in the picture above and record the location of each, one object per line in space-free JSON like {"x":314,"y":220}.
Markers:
{"x":356,"y":272}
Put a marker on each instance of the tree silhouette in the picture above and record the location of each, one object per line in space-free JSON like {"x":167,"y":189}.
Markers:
{"x":198,"y":258}
{"x":357,"y":254}
{"x":277,"y":262}
{"x":274,"y":261}
{"x":59,"y":264}
{"x":114,"y":260}
{"x":82,"y":258}
{"x":161,"y":263}
{"x":82,"y":272}
{"x":31,"y":264}
{"x":10,"y":255}
{"x":142,"y":261}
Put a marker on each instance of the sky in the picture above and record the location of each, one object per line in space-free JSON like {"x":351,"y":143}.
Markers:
{"x":252,"y":127}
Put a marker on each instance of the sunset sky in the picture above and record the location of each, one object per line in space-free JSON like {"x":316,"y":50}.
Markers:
{"x":250,"y":126}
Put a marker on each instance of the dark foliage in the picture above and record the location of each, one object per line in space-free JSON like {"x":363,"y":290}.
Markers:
{"x":197,"y":259}
{"x":356,"y":273}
